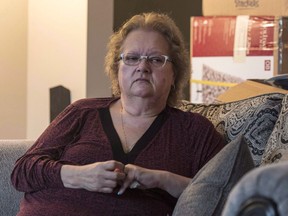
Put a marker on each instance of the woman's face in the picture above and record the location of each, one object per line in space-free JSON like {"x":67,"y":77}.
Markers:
{"x":144,"y":79}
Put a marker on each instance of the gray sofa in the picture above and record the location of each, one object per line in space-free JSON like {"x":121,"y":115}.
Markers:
{"x":257,"y":125}
{"x":10,"y":151}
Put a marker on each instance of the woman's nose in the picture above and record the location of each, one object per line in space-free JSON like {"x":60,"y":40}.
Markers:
{"x":143,"y":65}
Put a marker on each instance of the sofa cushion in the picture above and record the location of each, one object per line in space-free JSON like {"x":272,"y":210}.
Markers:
{"x":10,"y":151}
{"x":277,"y":145}
{"x":207,"y":192}
{"x":253,"y":117}
{"x":266,"y":181}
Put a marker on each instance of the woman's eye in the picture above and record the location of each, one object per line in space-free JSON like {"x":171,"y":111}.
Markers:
{"x":132,"y":58}
{"x":156,"y":59}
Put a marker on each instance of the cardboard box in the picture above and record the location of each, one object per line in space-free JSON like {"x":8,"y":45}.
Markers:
{"x":227,"y":50}
{"x":248,"y":89}
{"x":245,"y":7}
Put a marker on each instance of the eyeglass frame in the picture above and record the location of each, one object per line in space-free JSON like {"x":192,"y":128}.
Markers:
{"x":147,"y":58}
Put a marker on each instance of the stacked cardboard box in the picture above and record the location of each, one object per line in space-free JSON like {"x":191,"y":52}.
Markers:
{"x":245,"y":7}
{"x":227,"y":50}
{"x":248,"y":89}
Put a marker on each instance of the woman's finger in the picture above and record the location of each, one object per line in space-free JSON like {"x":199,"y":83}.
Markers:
{"x":106,"y":190}
{"x":112,"y":165}
{"x":128,"y":180}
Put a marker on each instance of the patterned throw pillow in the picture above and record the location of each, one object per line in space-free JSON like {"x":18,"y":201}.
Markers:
{"x":277,"y":145}
{"x":253,"y":117}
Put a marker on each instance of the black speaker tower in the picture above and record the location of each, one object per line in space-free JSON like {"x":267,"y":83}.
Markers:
{"x":59,"y":100}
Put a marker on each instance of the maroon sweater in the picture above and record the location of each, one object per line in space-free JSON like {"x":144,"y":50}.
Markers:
{"x":177,"y":141}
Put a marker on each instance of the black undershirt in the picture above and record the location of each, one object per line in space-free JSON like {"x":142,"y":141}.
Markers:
{"x":117,"y":149}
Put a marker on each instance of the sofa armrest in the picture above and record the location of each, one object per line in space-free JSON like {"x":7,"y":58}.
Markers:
{"x":268,"y":182}
{"x":258,"y":206}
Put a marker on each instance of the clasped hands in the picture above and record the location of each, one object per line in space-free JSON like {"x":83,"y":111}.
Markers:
{"x":106,"y":176}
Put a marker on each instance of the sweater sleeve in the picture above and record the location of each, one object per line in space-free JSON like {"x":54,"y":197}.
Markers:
{"x":39,"y":167}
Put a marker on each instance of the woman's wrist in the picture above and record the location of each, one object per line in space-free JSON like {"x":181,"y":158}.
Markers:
{"x":172,"y":183}
{"x":68,"y":173}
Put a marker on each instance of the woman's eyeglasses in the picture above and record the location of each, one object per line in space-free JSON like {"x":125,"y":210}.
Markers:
{"x":154,"y":60}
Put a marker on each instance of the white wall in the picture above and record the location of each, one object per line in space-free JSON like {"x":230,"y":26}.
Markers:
{"x":13,"y":68}
{"x":59,"y":53}
{"x":45,"y":43}
{"x":57,"y":37}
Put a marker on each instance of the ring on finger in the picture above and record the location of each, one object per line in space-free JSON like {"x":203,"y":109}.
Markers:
{"x":134,"y":185}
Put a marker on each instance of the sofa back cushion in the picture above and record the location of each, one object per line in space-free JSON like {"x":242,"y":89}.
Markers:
{"x":253,"y":117}
{"x":10,"y":151}
{"x":277,"y":145}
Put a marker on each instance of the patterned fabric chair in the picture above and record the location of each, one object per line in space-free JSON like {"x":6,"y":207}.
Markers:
{"x":254,"y":118}
{"x":264,"y":191}
{"x":263,"y":122}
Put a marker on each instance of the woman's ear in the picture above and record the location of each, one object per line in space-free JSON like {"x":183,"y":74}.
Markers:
{"x":173,"y":87}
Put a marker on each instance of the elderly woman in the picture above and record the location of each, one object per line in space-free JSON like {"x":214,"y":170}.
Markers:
{"x":131,"y":154}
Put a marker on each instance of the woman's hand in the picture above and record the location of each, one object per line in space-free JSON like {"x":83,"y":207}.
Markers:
{"x":98,"y":177}
{"x":142,"y":178}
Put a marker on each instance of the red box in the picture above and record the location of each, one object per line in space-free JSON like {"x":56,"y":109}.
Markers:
{"x":227,"y":50}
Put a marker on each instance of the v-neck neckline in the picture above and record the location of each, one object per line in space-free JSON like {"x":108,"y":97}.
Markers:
{"x":116,"y":145}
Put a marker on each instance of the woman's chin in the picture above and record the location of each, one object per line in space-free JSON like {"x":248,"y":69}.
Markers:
{"x":144,"y":93}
